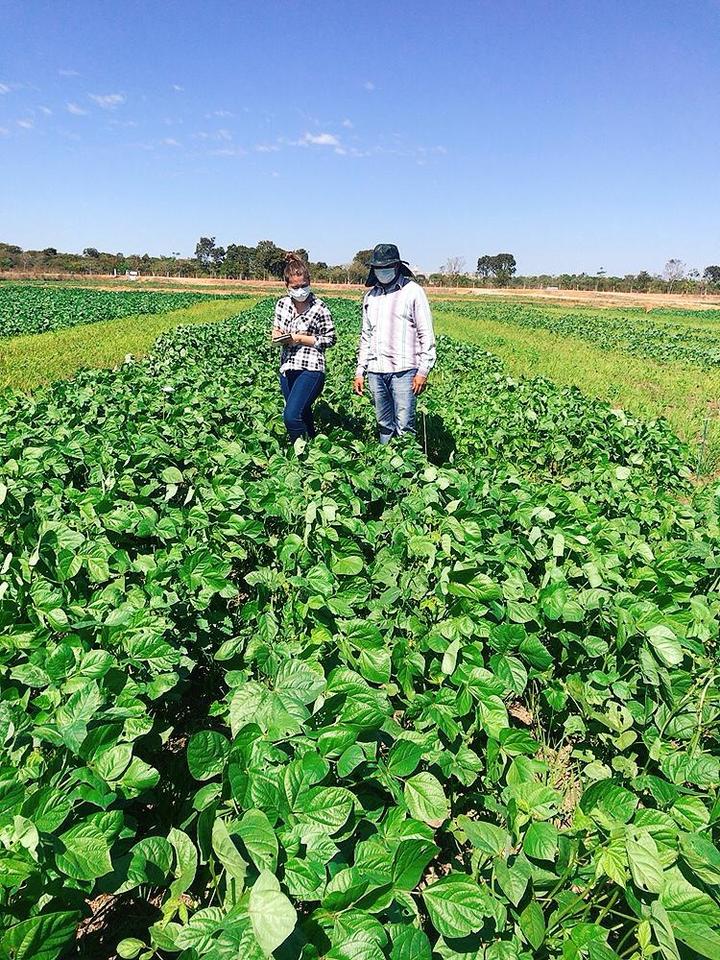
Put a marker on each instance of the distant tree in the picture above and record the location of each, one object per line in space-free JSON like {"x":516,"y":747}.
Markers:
{"x":453,"y":268}
{"x":643,"y":281}
{"x":712,"y":274}
{"x":269,"y":259}
{"x":238,"y":261}
{"x":50,"y":252}
{"x":504,"y":268}
{"x":674,"y":271}
{"x":303,"y":254}
{"x":363,"y":257}
{"x":485,"y":266}
{"x":205,"y":252}
{"x":91,"y":252}
{"x":500,"y":266}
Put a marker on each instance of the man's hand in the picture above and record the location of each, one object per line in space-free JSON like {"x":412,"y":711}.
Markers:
{"x":419,"y":382}
{"x":359,"y":385}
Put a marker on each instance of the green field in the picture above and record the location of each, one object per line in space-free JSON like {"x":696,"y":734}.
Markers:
{"x":447,"y":700}
{"x":574,"y":348}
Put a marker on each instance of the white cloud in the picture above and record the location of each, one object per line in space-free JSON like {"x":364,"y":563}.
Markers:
{"x":107,"y":101}
{"x":223,"y":135}
{"x":320,"y":140}
{"x":4,"y":132}
{"x":219,"y":113}
{"x":170,"y":142}
{"x":177,"y":88}
{"x":228,"y":152}
{"x":46,"y":110}
{"x":266,"y":148}
{"x":348,"y":124}
{"x":26,"y":124}
{"x":4,"y":88}
{"x":68,"y":73}
{"x":76,"y":110}
{"x":369,"y":86}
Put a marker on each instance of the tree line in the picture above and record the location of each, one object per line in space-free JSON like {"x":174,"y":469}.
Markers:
{"x":266,"y":261}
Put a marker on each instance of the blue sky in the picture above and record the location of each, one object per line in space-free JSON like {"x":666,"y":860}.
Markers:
{"x":575,"y":135}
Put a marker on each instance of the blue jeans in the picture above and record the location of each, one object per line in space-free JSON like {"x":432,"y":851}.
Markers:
{"x":394,"y":402}
{"x":300,"y":388}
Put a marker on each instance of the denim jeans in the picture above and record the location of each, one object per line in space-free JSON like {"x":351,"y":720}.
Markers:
{"x":300,"y":388}
{"x":394,"y":402}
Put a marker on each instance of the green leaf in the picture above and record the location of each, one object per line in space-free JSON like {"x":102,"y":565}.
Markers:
{"x":150,"y":861}
{"x":456,"y":905}
{"x":513,"y":880}
{"x":348,"y":566}
{"x":665,"y":644}
{"x":129,"y":948}
{"x":532,"y":924}
{"x":172,"y":475}
{"x":484,"y":836}
{"x":327,"y":806}
{"x":694,"y":917}
{"x":411,"y":858}
{"x":227,"y":853}
{"x":345,"y":888}
{"x":207,"y":752}
{"x":426,"y":799}
{"x":272,"y":916}
{"x":186,"y":860}
{"x":85,"y":854}
{"x":644,"y":862}
{"x":40,"y":938}
{"x":259,"y":838}
{"x":702,"y":856}
{"x":409,"y":943}
{"x":404,"y":758}
{"x":541,"y":841}
{"x":662,"y":930}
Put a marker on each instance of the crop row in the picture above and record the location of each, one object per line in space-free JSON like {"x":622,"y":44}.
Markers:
{"x":350,"y":701}
{"x":636,"y":334}
{"x":34,"y":309}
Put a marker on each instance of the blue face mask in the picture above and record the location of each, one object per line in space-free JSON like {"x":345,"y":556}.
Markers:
{"x":385,"y":275}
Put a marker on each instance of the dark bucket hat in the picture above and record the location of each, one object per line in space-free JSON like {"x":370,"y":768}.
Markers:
{"x":386,"y":255}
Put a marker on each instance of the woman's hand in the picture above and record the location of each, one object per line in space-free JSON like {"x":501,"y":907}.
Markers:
{"x":277,"y":332}
{"x":305,"y":339}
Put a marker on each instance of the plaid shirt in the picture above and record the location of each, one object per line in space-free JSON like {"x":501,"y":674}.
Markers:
{"x":316,"y":321}
{"x":397,"y":330}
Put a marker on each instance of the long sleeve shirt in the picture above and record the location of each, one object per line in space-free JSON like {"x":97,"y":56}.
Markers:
{"x":316,"y":321}
{"x":397,"y":330}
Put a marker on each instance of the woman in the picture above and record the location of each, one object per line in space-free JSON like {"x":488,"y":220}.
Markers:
{"x":306,"y":327}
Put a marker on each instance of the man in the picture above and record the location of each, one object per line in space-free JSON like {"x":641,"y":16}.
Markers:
{"x":397,"y":342}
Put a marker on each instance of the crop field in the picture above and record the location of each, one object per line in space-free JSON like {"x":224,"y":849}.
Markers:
{"x":663,"y":363}
{"x":453,"y":699}
{"x":28,"y":309}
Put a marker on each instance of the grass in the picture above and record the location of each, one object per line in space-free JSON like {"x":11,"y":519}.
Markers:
{"x":686,"y":396}
{"x":30,"y":361}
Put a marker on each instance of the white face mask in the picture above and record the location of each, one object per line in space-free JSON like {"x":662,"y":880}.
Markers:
{"x":385,"y":275}
{"x":300,"y":293}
